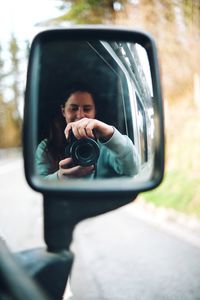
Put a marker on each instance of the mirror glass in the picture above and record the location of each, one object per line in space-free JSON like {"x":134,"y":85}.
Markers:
{"x":95,"y":112}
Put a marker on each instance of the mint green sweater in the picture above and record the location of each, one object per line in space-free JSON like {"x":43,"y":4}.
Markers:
{"x":118,"y":157}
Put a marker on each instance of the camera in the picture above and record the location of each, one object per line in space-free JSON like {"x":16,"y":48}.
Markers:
{"x":84,"y":151}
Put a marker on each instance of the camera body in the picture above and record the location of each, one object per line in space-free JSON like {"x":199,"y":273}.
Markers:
{"x":84,"y":152}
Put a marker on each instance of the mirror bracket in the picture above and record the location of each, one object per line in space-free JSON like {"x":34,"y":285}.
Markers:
{"x":62,"y":214}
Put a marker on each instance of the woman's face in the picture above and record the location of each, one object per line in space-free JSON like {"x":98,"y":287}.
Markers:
{"x":79,"y":105}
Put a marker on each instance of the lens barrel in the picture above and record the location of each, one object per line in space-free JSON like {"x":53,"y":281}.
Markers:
{"x":85,"y":152}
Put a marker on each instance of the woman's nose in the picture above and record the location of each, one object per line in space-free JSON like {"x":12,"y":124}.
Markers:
{"x":80,"y":114}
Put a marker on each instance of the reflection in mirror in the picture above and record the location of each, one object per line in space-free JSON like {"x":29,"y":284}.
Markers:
{"x":95,"y":112}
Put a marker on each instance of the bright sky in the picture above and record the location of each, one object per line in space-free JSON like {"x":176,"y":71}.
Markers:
{"x":20,"y":16}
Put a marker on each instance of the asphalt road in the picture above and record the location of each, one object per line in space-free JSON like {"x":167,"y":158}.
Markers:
{"x":21,"y":208}
{"x":120,"y":255}
{"x":127,"y":258}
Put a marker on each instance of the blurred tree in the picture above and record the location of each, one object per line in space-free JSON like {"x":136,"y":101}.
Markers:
{"x":15,"y":72}
{"x":2,"y":105}
{"x":91,"y":11}
{"x":10,"y":120}
{"x":191,"y":12}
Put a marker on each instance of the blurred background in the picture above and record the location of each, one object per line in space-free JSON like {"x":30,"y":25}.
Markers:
{"x":174,"y":24}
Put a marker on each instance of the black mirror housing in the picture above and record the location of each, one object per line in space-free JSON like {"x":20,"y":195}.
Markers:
{"x":108,"y":39}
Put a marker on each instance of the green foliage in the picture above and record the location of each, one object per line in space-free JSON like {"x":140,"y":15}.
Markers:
{"x":9,"y":126}
{"x":10,"y":119}
{"x":191,"y":11}
{"x":95,"y":2}
{"x":177,"y":191}
{"x":90,"y":11}
{"x":78,"y":11}
{"x":1,"y":61}
{"x":15,"y":71}
{"x":14,"y":49}
{"x":181,"y":186}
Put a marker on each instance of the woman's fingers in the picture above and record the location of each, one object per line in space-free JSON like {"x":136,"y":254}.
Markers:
{"x":67,"y":130}
{"x":65,"y":163}
{"x":79,"y":171}
{"x":66,"y":170}
{"x":75,"y":172}
{"x":85,"y":128}
{"x":90,"y":127}
{"x":81,"y":129}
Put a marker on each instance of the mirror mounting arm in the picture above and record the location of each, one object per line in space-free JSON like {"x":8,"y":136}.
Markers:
{"x":61,"y":215}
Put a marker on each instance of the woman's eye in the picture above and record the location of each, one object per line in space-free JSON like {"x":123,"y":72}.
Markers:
{"x":74,"y":109}
{"x":87,"y":109}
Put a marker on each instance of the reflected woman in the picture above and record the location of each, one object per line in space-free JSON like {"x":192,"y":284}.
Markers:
{"x":118,"y":155}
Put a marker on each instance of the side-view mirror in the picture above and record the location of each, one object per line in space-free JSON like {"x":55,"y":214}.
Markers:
{"x":93,"y":121}
{"x":119,"y":71}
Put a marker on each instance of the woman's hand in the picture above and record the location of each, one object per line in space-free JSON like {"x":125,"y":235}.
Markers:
{"x":65,"y":169}
{"x":85,"y":128}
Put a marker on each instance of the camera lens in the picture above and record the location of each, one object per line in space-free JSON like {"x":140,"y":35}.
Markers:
{"x":85,"y":152}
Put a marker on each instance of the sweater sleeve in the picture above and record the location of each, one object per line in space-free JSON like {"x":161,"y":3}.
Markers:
{"x":44,"y":162}
{"x":122,"y":154}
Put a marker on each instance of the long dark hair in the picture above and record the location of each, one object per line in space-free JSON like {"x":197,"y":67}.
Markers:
{"x":56,"y":141}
